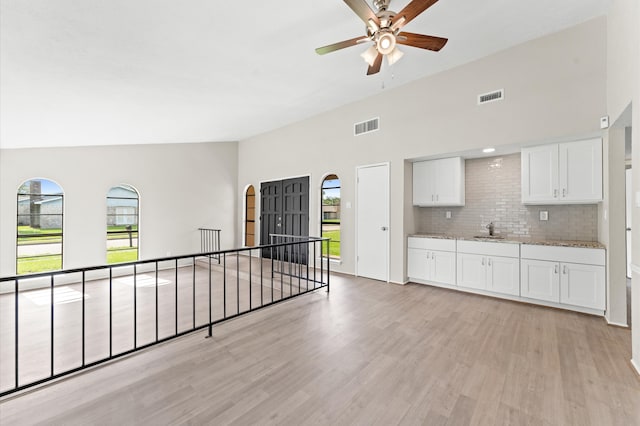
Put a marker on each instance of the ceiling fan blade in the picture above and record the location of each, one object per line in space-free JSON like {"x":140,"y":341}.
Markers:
{"x":340,"y":45}
{"x":413,"y":9}
{"x":375,"y":68}
{"x":421,"y":41}
{"x":363,"y":10}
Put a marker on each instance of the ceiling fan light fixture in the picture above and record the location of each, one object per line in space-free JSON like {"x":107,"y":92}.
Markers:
{"x":386,"y":42}
{"x":394,"y":56}
{"x":370,"y":55}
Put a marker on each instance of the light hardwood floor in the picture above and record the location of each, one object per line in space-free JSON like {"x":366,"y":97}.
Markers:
{"x":367,"y":353}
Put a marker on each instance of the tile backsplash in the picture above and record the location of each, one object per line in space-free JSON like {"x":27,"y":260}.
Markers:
{"x":493,"y":195}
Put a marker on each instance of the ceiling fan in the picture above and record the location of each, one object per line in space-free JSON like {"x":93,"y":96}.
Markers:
{"x":383,"y":29}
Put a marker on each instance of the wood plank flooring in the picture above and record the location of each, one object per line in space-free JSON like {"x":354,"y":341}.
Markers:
{"x":367,"y":353}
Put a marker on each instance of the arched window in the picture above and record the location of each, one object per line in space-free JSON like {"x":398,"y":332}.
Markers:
{"x":330,"y":215}
{"x":39,"y":236}
{"x":250,"y":217}
{"x":122,"y":224}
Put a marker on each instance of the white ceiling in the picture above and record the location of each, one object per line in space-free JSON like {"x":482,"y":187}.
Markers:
{"x":95,"y":72}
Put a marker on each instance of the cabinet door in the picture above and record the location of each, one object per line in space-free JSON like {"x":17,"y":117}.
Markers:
{"x":472,"y":271}
{"x":449,"y":181}
{"x":417,"y":264}
{"x":443,"y":267}
{"x":423,"y":184}
{"x":540,"y":174}
{"x":504,"y":275}
{"x":582,"y":285}
{"x":580,"y":171}
{"x":540,"y":279}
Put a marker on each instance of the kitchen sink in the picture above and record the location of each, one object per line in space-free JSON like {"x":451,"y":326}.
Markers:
{"x":488,"y":237}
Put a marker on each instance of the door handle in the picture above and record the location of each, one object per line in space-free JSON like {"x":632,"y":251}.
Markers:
{"x":564,"y":269}
{"x":555,"y":270}
{"x":564,"y":192}
{"x":555,"y":193}
{"x":384,"y":228}
{"x":483,"y":261}
{"x":437,"y":197}
{"x":489,"y":261}
{"x":628,"y":229}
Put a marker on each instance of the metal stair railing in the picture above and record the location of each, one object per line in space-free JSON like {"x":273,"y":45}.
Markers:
{"x":89,"y":316}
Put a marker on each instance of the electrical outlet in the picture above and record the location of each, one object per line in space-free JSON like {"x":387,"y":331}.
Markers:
{"x":544,"y":215}
{"x":448,"y":214}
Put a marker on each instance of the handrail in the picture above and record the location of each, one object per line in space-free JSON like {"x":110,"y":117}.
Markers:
{"x":215,"y":292}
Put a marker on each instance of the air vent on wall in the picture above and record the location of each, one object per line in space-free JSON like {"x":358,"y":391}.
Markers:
{"x":366,"y":126}
{"x":496,"y":95}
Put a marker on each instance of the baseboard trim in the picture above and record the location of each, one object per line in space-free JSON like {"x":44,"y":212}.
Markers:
{"x":636,"y":366}
{"x":616,"y":324}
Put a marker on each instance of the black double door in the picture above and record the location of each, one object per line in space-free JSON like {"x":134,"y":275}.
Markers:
{"x":284,"y":210}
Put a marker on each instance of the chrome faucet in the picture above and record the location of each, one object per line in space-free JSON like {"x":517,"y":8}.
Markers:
{"x":491,"y":228}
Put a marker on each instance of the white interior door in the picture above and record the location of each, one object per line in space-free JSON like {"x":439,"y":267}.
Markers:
{"x":372,"y":222}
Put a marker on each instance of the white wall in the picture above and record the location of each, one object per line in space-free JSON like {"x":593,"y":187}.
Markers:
{"x":554,"y":88}
{"x":623,"y":88}
{"x":182,"y":187}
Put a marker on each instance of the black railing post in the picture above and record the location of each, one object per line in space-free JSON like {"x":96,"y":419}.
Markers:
{"x":328,"y":267}
{"x":157,"y":318}
{"x":176,"y":296}
{"x":17,"y":332}
{"x":194,"y":291}
{"x":210,"y":317}
{"x":135,"y":308}
{"x":110,"y":312}
{"x":83,"y":320}
{"x":52,"y":322}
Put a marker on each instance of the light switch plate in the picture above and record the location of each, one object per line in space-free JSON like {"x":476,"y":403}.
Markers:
{"x":544,"y":215}
{"x":604,"y":122}
{"x":448,"y":214}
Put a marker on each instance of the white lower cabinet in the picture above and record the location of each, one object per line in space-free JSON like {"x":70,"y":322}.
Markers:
{"x":432,"y":260}
{"x":472,"y":271}
{"x":492,"y":273}
{"x":582,"y":285}
{"x":503,"y":275}
{"x":489,"y":266}
{"x":429,"y":265}
{"x":565,"y":275}
{"x":540,"y":280}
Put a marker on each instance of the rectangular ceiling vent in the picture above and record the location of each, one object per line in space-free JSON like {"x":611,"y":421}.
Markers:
{"x":366,"y":126}
{"x":496,"y":95}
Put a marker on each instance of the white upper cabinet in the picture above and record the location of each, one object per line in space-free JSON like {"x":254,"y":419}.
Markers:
{"x":581,"y":171}
{"x":562,"y":173}
{"x":439,"y":182}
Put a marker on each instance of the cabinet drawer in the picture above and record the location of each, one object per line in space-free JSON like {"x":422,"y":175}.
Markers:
{"x":432,"y":244}
{"x":585,"y":256}
{"x":489,"y":248}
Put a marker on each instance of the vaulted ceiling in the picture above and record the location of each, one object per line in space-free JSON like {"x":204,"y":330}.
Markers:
{"x":94,"y":72}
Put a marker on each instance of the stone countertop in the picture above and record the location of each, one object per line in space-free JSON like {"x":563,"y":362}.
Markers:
{"x":511,"y":240}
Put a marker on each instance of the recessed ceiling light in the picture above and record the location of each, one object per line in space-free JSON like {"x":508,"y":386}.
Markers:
{"x":488,"y":150}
